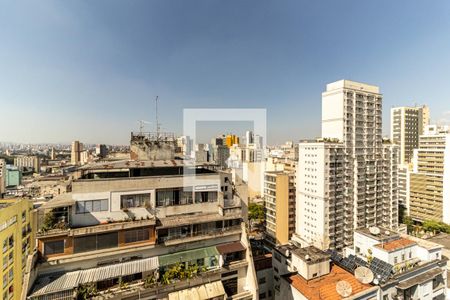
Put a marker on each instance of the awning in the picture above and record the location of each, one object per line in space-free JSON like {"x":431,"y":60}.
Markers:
{"x":206,"y":291}
{"x":429,"y":275}
{"x":53,"y":283}
{"x":189,"y":255}
{"x":62,"y":200}
{"x":230,"y":247}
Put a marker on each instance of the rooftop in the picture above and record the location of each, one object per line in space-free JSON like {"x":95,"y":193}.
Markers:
{"x":396,"y":244}
{"x":324,"y":287}
{"x":311,"y":254}
{"x":442,"y":239}
{"x":428,"y":244}
{"x":383,"y":235}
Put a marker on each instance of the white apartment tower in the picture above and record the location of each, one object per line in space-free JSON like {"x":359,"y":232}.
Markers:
{"x":347,"y":179}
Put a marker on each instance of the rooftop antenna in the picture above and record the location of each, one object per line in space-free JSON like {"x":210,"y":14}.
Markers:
{"x":157,"y":122}
{"x":142,"y":125}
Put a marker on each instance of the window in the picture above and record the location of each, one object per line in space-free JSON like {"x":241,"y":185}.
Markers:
{"x":24,"y":216}
{"x":403,"y":257}
{"x":278,"y":256}
{"x":395,"y":260}
{"x":95,"y":242}
{"x":202,"y":197}
{"x":11,"y":274}
{"x":137,"y":235}
{"x":54,"y":247}
{"x":262,"y":295}
{"x":262,"y":280}
{"x":83,"y":207}
{"x":314,"y":275}
{"x":135,"y":200}
{"x":169,"y":197}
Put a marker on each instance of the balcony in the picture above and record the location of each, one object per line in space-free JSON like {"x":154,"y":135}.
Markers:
{"x":199,"y":235}
{"x":116,"y":226}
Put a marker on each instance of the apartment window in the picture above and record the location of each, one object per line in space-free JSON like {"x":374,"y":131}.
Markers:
{"x":5,"y":262}
{"x":262,"y":295}
{"x":24,"y":215}
{"x":169,"y":197}
{"x":202,"y":197}
{"x":11,"y":274}
{"x":83,"y":207}
{"x":262,"y":280}
{"x":403,"y":257}
{"x":137,"y":235}
{"x":54,"y":247}
{"x":135,"y":200}
{"x":95,"y":242}
{"x":395,"y":260}
{"x":5,"y":280}
{"x":278,"y":256}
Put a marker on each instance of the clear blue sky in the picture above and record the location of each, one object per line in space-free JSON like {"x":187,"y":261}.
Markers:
{"x":89,"y":70}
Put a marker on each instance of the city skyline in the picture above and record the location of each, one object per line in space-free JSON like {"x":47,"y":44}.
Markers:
{"x":107,"y":65}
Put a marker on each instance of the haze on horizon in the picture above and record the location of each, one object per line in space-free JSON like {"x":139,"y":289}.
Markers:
{"x":89,"y":70}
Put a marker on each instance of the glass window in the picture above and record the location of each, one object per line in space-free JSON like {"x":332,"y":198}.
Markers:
{"x":91,"y":206}
{"x":107,"y":240}
{"x":53,"y":247}
{"x":135,"y":200}
{"x":137,"y":235}
{"x":80,"y":207}
{"x":85,"y":243}
{"x":104,"y":205}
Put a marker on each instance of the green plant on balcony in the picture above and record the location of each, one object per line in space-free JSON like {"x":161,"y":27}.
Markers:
{"x":86,"y":291}
{"x":151,"y":280}
{"x":122,"y":284}
{"x":180,"y":271}
{"x":50,"y":221}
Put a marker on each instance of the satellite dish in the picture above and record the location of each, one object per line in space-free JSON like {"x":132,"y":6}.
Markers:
{"x":364,"y":275}
{"x":343,"y":288}
{"x":374,"y":230}
{"x":376,"y":281}
{"x":387,"y":232}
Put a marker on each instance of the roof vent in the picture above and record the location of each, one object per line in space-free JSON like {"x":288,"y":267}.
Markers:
{"x":307,"y":257}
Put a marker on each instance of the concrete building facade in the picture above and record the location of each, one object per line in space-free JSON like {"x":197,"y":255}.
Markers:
{"x":279,"y":204}
{"x":407,"y":124}
{"x":17,"y":238}
{"x":30,"y":162}
{"x":430,"y":177}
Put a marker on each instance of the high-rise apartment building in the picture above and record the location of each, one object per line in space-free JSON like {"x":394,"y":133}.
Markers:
{"x":17,"y":240}
{"x":2,"y":176}
{"x":101,"y":150}
{"x":347,"y":179}
{"x":30,"y":162}
{"x":145,"y":230}
{"x":407,"y":123}
{"x":279,"y":203}
{"x":231,"y":140}
{"x":75,"y":156}
{"x":430,"y":177}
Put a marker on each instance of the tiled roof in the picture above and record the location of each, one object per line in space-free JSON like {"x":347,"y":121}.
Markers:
{"x":324,"y":287}
{"x":396,"y":244}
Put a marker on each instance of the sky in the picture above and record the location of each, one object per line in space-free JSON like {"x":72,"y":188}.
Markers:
{"x":89,"y":70}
